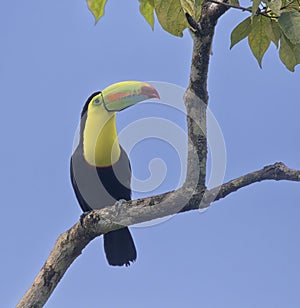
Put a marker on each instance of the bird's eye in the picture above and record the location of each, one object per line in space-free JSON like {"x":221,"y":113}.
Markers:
{"x":97,"y":101}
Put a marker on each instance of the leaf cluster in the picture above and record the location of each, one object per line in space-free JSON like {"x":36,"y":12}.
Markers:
{"x":273,"y":21}
{"x":170,"y":13}
{"x":276,"y":21}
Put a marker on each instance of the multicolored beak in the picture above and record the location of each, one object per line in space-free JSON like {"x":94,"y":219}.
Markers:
{"x":122,"y":95}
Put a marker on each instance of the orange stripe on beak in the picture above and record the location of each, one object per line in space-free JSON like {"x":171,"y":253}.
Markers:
{"x":115,"y":96}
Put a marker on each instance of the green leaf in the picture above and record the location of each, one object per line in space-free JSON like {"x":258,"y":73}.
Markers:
{"x":258,"y":39}
{"x":147,"y":11}
{"x":275,"y":6}
{"x":192,"y":7}
{"x":198,"y":6}
{"x":171,"y":16}
{"x":289,"y":22}
{"x":255,"y":5}
{"x":287,"y":53}
{"x":97,"y":8}
{"x":296,"y":49}
{"x":291,"y":4}
{"x":188,"y":7}
{"x":241,"y":31}
{"x":273,"y":31}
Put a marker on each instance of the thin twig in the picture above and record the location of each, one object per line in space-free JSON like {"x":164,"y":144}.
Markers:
{"x":242,"y":8}
{"x":288,"y":4}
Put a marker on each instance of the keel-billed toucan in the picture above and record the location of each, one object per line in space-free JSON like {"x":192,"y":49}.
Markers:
{"x":100,"y":168}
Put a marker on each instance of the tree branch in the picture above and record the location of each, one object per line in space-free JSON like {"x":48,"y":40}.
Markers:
{"x":70,"y":244}
{"x":196,"y":95}
{"x":278,"y":172}
{"x":193,"y":195}
{"x":248,"y":9}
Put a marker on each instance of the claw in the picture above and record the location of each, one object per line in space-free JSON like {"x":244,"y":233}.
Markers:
{"x":82,"y":217}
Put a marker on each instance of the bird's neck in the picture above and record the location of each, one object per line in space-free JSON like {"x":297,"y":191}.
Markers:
{"x":100,"y":139}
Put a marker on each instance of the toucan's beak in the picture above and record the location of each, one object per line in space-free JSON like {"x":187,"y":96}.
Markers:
{"x":122,"y":95}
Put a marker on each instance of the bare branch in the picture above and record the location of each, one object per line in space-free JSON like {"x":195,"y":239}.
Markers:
{"x":67,"y":248}
{"x":278,"y":171}
{"x":71,"y":243}
{"x":196,"y":95}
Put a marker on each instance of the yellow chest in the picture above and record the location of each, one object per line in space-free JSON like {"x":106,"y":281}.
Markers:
{"x":100,"y":139}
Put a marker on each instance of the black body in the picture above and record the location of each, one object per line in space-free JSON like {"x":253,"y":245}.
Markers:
{"x":98,"y":187}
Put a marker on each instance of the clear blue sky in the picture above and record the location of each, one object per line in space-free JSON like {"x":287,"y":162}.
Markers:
{"x":242,"y":252}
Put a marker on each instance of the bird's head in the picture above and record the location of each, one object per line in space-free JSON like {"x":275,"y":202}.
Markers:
{"x":120,"y":96}
{"x":98,"y":132}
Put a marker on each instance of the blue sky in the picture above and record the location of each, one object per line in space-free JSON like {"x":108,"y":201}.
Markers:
{"x":242,"y":252}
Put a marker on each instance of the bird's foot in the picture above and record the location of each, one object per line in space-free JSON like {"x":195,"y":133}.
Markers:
{"x":82,"y":217}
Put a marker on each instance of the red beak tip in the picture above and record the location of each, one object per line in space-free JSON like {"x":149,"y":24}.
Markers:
{"x":156,"y":95}
{"x":150,"y":92}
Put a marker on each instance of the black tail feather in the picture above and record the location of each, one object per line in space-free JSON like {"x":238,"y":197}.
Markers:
{"x":119,"y":247}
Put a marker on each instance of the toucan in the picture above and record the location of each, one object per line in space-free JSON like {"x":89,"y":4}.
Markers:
{"x":99,"y":168}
